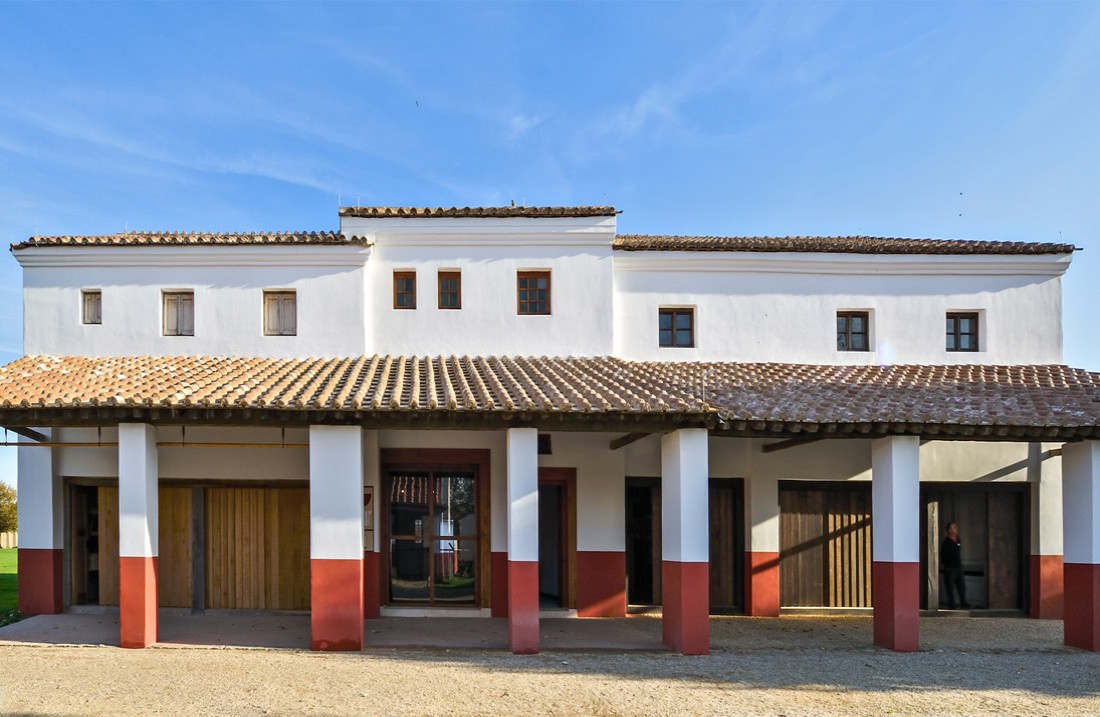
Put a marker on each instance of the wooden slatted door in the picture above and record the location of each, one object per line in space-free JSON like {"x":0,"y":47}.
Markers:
{"x":727,"y":549}
{"x":174,"y":562}
{"x":257,"y":548}
{"x":825,"y":545}
{"x":108,"y":545}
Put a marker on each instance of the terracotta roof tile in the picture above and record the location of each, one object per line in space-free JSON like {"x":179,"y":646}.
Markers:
{"x":468,"y":212}
{"x":758,"y":397}
{"x":189,"y":238}
{"x":833,"y":245}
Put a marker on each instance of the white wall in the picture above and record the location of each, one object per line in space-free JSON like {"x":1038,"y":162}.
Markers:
{"x":601,"y":487}
{"x":782,"y":307}
{"x":489,"y":253}
{"x":228,"y":284}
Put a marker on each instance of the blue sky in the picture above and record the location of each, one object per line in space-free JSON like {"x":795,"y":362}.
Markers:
{"x":950,"y":120}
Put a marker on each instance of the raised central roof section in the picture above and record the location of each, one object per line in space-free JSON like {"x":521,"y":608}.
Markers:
{"x":833,"y":245}
{"x":474,"y":212}
{"x":189,"y":238}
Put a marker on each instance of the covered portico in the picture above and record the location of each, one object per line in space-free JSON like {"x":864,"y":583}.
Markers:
{"x":342,"y":404}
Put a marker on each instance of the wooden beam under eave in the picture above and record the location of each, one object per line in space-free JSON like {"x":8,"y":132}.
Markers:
{"x":626,"y":440}
{"x":28,"y":433}
{"x":789,"y":443}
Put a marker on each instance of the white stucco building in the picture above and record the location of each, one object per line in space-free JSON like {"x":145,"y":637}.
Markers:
{"x":502,"y":410}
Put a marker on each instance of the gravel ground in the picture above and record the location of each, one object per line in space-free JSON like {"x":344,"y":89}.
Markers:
{"x":787,"y":666}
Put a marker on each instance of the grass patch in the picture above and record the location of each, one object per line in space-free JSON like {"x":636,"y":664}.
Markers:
{"x":8,"y":599}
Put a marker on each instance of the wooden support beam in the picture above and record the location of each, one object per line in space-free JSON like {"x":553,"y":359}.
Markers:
{"x":626,"y":440}
{"x":28,"y":433}
{"x":789,"y":443}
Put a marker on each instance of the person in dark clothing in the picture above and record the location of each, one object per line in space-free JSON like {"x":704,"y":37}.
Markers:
{"x":951,"y":562}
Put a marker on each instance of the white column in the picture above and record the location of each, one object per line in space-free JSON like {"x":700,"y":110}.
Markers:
{"x":138,"y":533}
{"x":336,"y":537}
{"x":685,"y":540}
{"x":895,"y":542}
{"x":1044,"y":474}
{"x":1081,"y":513}
{"x":523,"y":540}
{"x":41,"y":528}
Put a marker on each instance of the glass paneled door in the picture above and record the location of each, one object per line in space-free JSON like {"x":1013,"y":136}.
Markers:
{"x":433,"y":538}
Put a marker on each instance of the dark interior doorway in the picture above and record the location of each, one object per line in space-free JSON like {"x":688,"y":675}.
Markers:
{"x":551,"y":545}
{"x":84,"y":513}
{"x":643,"y":541}
{"x":994,"y":530}
{"x":727,"y":543}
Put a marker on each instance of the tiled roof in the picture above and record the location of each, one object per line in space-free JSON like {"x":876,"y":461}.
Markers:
{"x":466,"y":212}
{"x":189,"y":238}
{"x":1037,"y":401}
{"x":834,"y":245}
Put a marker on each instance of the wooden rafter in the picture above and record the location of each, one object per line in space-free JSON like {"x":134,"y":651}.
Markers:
{"x":626,"y":440}
{"x":28,"y":433}
{"x":790,"y":443}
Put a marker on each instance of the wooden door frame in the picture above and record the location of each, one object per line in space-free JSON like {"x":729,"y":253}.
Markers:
{"x":440,"y":459}
{"x":566,"y":478}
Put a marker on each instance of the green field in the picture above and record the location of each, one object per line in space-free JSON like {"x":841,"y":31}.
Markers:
{"x":7,"y":585}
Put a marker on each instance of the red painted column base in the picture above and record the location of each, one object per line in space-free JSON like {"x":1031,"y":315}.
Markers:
{"x":1082,"y":604}
{"x":685,"y":588}
{"x":498,"y":582}
{"x":137,"y":601}
{"x":895,"y":595}
{"x":762,"y":584}
{"x":1047,"y":587}
{"x":40,"y":581}
{"x":372,"y":585}
{"x":601,"y":583}
{"x":523,"y":607}
{"x":336,"y":604}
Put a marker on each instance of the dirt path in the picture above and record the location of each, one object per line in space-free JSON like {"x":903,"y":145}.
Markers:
{"x":791,"y":666}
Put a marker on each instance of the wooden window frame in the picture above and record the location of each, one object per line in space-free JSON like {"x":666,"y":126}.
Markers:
{"x":399,"y":276}
{"x":444,"y":276}
{"x":179,"y":294}
{"x":95,"y":316}
{"x":675,"y":311}
{"x":521,"y":305}
{"x":848,"y":333}
{"x":956,"y":333}
{"x":280,"y":295}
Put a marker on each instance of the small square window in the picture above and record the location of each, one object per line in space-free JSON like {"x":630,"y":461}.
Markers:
{"x":450,"y":290}
{"x":404,"y":289}
{"x":179,"y":313}
{"x":91,"y":307}
{"x":962,"y":331}
{"x":533,"y":292}
{"x":280,"y":313}
{"x":853,"y":331}
{"x":676,"y":328}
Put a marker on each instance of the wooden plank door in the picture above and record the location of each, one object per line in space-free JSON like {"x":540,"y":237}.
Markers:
{"x":1005,"y":551}
{"x":174,"y":534}
{"x":108,"y":545}
{"x":848,"y":548}
{"x":801,"y":548}
{"x":726,"y":546}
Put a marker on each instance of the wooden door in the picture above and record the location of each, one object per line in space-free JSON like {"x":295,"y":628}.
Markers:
{"x":825,"y":545}
{"x":257,"y":548}
{"x":726,"y":546}
{"x":174,"y":534}
{"x":108,"y":545}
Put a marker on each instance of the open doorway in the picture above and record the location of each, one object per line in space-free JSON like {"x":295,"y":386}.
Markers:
{"x":557,"y":538}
